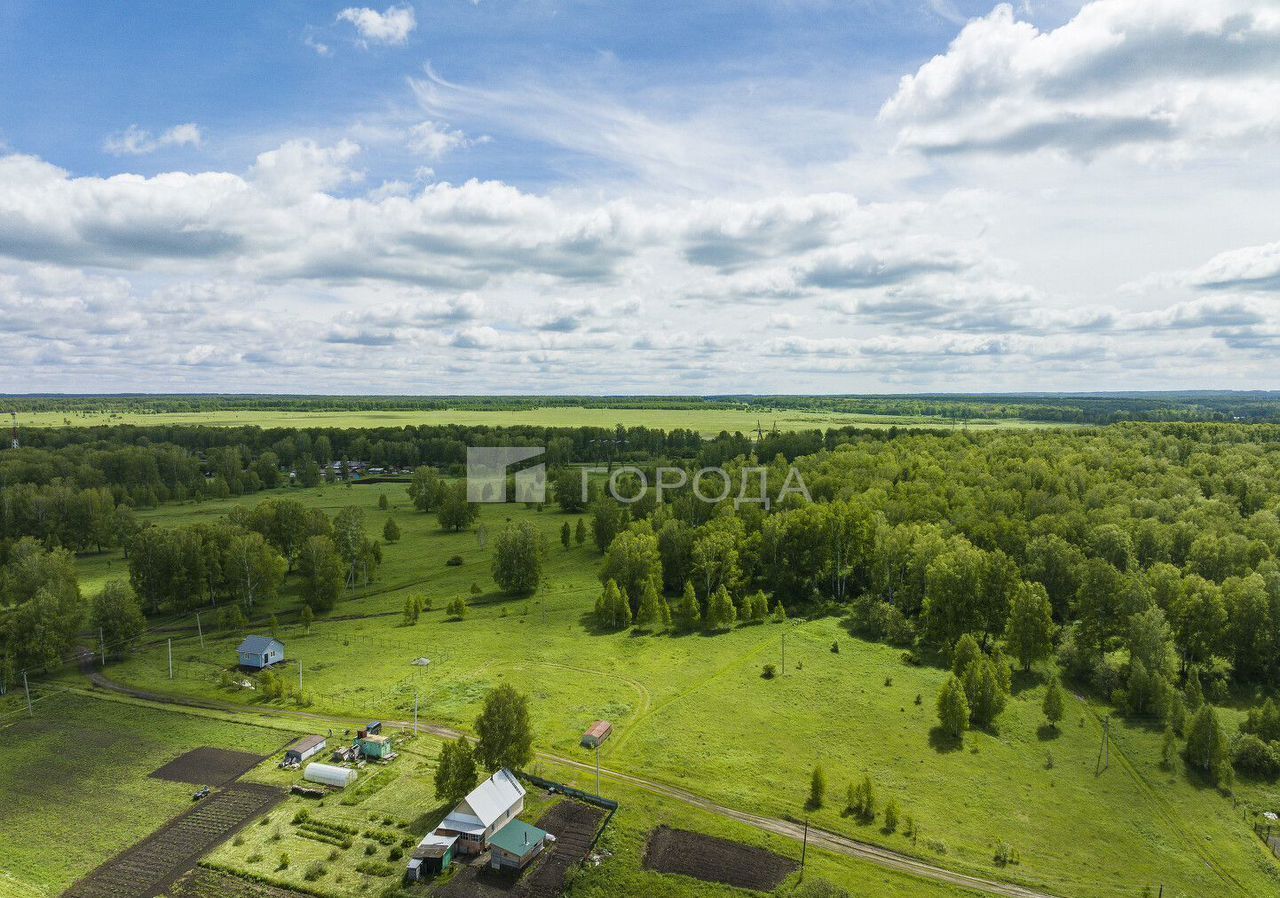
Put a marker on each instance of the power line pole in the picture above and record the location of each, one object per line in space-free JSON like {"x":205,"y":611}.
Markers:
{"x":804,"y":847}
{"x":299,"y":678}
{"x":415,"y":712}
{"x":200,"y":629}
{"x":1104,"y":748}
{"x":171,"y":658}
{"x":597,"y":769}
{"x":26,"y":687}
{"x":102,"y":640}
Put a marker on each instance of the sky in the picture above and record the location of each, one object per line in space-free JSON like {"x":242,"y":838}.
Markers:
{"x":726,"y":196}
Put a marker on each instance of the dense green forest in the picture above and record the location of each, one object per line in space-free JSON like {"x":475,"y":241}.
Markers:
{"x":1142,"y":561}
{"x":1080,"y":408}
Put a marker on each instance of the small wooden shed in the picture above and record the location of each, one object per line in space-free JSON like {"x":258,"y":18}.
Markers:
{"x":374,"y":746}
{"x":304,"y":749}
{"x":599,"y":731}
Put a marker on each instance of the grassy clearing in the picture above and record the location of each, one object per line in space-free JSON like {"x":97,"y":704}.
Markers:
{"x":74,"y":783}
{"x":709,"y":423}
{"x":695,"y":712}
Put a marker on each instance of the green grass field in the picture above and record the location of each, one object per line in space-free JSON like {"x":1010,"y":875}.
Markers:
{"x":695,"y":712}
{"x":708,"y":423}
{"x":74,"y":785}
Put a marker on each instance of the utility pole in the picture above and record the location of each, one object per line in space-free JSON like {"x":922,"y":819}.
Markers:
{"x":26,"y":687}
{"x":804,"y":847}
{"x":171,"y":658}
{"x":200,"y":629}
{"x":299,"y":678}
{"x":1104,"y":749}
{"x":102,"y":641}
{"x":597,"y":769}
{"x":415,"y":712}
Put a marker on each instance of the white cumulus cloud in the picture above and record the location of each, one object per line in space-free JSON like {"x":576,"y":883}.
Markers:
{"x":392,"y":26}
{"x":135,"y":141}
{"x":1173,"y":74}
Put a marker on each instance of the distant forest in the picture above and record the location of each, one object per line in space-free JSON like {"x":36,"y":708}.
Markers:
{"x":1073,"y":408}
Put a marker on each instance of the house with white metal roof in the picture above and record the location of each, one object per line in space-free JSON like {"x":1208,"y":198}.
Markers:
{"x":487,"y":808}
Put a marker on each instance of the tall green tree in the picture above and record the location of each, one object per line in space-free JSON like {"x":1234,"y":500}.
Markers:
{"x":518,"y":554}
{"x":721,"y":613}
{"x":504,"y":733}
{"x":1029,"y":631}
{"x":633,"y":562}
{"x":456,"y":772}
{"x":426,"y":489}
{"x":688,"y":614}
{"x":953,"y":708}
{"x":1053,"y":703}
{"x":116,"y":614}
{"x":391,"y":531}
{"x":321,"y":568}
{"x":1207,"y":748}
{"x":453,"y":511}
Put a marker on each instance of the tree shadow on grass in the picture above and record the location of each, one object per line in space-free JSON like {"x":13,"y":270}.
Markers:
{"x":1047,"y":732}
{"x":1024,"y":680}
{"x":943,"y":742}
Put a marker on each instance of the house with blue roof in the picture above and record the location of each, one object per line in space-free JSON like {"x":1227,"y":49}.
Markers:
{"x":258,"y":652}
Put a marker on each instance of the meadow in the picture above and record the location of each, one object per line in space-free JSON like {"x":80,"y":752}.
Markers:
{"x":694,"y":711}
{"x":707,"y":422}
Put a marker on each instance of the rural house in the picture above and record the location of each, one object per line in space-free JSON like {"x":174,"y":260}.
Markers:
{"x":488,"y":808}
{"x":304,"y":749}
{"x":257,"y":652}
{"x":513,"y":846}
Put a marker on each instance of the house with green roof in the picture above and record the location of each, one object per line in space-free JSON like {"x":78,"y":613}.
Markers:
{"x":515,"y":845}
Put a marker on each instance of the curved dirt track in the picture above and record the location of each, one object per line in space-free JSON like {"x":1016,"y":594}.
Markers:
{"x":829,"y":841}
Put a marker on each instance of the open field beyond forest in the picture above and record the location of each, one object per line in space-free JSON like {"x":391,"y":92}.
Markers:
{"x":694,"y":711}
{"x":708,"y":423}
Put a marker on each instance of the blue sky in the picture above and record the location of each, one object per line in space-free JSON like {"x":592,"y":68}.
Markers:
{"x":458,"y":196}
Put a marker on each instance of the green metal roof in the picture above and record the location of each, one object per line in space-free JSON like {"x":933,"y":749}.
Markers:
{"x":511,"y":838}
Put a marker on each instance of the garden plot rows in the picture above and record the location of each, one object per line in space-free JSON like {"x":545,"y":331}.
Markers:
{"x":715,"y":860}
{"x":574,"y":825}
{"x":149,"y":867}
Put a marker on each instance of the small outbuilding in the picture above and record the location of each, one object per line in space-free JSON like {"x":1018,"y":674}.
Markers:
{"x":329,"y":775}
{"x":258,"y":652}
{"x":515,"y":845}
{"x":375,"y":746}
{"x":433,"y":855}
{"x":599,"y":731}
{"x":304,"y":749}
